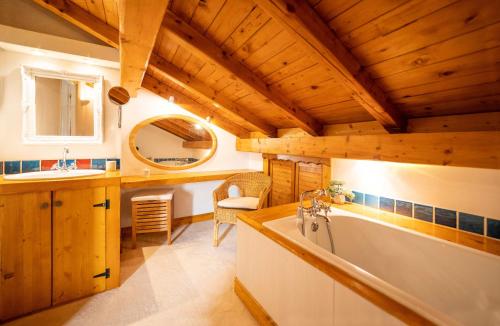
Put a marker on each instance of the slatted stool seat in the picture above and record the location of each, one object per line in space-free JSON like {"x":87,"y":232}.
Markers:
{"x":152,"y":211}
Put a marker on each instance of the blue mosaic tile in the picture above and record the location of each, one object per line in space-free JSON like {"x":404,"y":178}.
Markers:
{"x":68,"y":162}
{"x":404,"y":208}
{"x":358,"y":198}
{"x":117,"y":160}
{"x":1,"y":167}
{"x":387,"y":204}
{"x":99,"y":163}
{"x":423,"y":212}
{"x":494,"y":228}
{"x":371,"y":201}
{"x":30,"y":166}
{"x":445,"y":217}
{"x":12,"y":167}
{"x":471,"y":223}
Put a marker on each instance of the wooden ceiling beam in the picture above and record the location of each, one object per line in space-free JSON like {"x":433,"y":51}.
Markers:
{"x":161,"y":89}
{"x":205,"y":49}
{"x":86,"y":21}
{"x":140,"y":23}
{"x":301,"y":21}
{"x":480,"y":149}
{"x":82,"y":19}
{"x":200,"y":89}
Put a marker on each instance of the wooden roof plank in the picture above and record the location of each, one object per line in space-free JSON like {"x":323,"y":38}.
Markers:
{"x":82,"y":19}
{"x":140,"y":22}
{"x":307,"y":26}
{"x":186,"y":81}
{"x":154,"y":85}
{"x":206,"y":49}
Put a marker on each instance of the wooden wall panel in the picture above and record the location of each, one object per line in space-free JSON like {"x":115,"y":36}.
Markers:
{"x":310,"y":176}
{"x":283,"y":182}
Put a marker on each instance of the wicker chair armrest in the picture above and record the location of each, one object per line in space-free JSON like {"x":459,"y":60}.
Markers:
{"x":220,"y":193}
{"x":263,"y":196}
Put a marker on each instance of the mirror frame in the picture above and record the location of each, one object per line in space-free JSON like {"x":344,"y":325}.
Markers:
{"x":28,"y":106}
{"x":133,"y":134}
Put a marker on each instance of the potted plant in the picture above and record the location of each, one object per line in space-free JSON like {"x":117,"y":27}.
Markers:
{"x":337,"y":192}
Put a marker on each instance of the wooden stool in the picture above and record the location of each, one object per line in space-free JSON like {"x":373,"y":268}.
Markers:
{"x":152,"y":211}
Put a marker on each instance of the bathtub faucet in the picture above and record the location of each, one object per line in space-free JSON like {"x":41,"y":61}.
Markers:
{"x":313,"y":209}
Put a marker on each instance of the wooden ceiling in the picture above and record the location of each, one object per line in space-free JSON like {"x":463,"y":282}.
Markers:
{"x":265,"y":65}
{"x":183,"y":129}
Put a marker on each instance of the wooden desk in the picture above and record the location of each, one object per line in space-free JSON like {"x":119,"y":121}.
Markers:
{"x":177,"y":178}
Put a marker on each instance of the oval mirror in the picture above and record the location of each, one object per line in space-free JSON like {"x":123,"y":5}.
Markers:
{"x":118,"y":95}
{"x":172,"y":142}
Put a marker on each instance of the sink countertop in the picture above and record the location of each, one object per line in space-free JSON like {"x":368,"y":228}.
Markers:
{"x":19,"y":186}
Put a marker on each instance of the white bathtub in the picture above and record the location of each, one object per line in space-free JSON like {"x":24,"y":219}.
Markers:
{"x":448,"y":283}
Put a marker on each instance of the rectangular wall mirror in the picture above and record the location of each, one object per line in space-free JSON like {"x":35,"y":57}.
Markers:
{"x":60,"y":107}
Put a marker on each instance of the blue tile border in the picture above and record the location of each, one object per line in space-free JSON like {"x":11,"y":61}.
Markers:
{"x":423,"y":212}
{"x":404,"y":208}
{"x":12,"y":167}
{"x":30,"y":166}
{"x":386,"y":204}
{"x":23,"y":166}
{"x":493,"y":228}
{"x":471,"y":223}
{"x":371,"y":200}
{"x":446,"y":217}
{"x":359,"y":198}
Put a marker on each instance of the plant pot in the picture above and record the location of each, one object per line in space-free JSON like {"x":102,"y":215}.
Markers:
{"x":339,"y":199}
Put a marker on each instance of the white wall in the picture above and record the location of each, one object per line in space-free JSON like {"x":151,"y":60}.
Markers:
{"x":468,"y":190}
{"x":12,"y":147}
{"x":193,"y":198}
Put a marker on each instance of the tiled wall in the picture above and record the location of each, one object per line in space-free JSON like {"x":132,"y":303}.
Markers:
{"x":450,"y":218}
{"x":13,"y":167}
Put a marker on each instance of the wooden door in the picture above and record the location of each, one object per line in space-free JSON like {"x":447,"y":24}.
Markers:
{"x":310,"y":176}
{"x":25,"y":253}
{"x":79,"y":249}
{"x":283,"y":182}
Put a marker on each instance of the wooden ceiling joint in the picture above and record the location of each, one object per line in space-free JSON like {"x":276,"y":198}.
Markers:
{"x":301,"y":21}
{"x":205,"y":49}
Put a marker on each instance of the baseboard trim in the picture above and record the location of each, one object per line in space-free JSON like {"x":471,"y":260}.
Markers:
{"x":192,"y":219}
{"x":253,"y":306}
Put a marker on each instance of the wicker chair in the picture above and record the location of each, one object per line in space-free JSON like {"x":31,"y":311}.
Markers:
{"x":251,"y":184}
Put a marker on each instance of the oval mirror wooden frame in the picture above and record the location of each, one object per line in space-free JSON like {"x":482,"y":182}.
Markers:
{"x":133,"y":134}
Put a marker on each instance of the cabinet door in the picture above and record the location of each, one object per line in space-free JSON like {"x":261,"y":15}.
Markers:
{"x":79,"y":236}
{"x":310,"y":176}
{"x":283,"y":182}
{"x":25,"y":253}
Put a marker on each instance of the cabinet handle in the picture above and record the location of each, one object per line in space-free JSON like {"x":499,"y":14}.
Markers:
{"x":44,"y":206}
{"x":58,"y":203}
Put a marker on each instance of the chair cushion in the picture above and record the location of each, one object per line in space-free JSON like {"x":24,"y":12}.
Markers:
{"x":159,"y":194}
{"x":239,"y":202}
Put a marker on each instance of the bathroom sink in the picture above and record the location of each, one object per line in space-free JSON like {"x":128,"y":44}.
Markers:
{"x":53,"y":174}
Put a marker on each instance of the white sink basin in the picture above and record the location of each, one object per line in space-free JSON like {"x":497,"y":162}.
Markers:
{"x":53,"y":174}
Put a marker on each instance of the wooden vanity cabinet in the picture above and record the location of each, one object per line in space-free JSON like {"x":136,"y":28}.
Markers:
{"x":57,"y":246}
{"x":25,"y":253}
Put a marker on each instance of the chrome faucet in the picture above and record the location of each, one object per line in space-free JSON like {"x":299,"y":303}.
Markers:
{"x":318,"y":209}
{"x":301,"y":210}
{"x":63,"y":164}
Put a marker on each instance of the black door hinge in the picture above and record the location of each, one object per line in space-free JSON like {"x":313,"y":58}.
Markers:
{"x":106,"y":204}
{"x":106,"y":274}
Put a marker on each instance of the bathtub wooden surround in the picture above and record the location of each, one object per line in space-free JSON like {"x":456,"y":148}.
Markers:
{"x":406,"y":314}
{"x":59,"y":240}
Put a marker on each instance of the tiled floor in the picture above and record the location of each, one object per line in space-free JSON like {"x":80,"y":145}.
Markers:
{"x":188,"y":283}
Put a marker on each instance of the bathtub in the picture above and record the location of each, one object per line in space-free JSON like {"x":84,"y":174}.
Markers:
{"x":447,"y":283}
